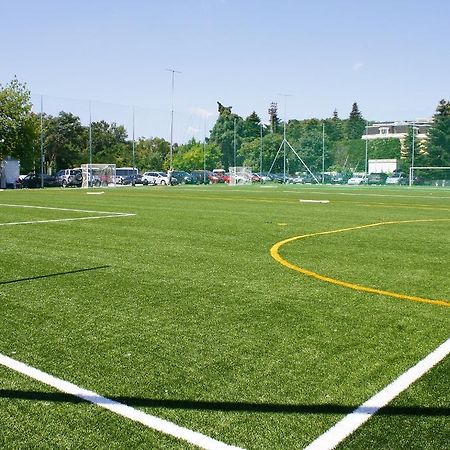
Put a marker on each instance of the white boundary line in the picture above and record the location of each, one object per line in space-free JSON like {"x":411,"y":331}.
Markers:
{"x":121,"y":409}
{"x":335,"y":435}
{"x":105,"y":214}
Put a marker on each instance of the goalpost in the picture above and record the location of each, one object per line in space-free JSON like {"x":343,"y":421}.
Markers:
{"x":98,"y":175}
{"x":437,"y":182}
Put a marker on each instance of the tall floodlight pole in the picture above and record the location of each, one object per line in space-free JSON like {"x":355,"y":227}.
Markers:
{"x":234,"y":144}
{"x":90,"y":146}
{"x":133,"y":156}
{"x":323,"y":152}
{"x":412,"y":154}
{"x":261,"y":152}
{"x":171,"y":114}
{"x":367,"y":149}
{"x":42,"y":141}
{"x":204,"y":148}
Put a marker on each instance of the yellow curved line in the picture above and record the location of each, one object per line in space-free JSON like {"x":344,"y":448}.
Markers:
{"x":274,"y":252}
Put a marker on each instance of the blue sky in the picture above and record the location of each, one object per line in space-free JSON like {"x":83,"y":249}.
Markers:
{"x":391,"y":57}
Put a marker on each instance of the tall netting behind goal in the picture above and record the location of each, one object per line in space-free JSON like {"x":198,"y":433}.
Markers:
{"x":98,"y":175}
{"x":240,"y":175}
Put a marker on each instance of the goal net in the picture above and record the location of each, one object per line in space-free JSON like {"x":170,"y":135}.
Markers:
{"x":98,"y":175}
{"x":240,"y":175}
{"x":431,"y":176}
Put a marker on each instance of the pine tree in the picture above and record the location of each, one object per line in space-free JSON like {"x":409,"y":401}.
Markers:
{"x":355,"y":123}
{"x":439,"y":136}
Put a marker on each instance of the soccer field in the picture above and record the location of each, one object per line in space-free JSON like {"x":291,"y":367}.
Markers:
{"x":254,"y":316}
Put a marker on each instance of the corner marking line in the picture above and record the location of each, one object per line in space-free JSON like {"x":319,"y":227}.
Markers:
{"x":350,"y":423}
{"x":121,"y":409}
{"x":102,"y":214}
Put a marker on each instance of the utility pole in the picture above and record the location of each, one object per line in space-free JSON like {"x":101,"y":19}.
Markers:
{"x":171,"y":115}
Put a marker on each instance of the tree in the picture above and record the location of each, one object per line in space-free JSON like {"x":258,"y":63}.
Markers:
{"x":109,"y":143}
{"x":333,"y":127}
{"x":355,"y":123}
{"x":227,"y":133}
{"x":252,"y":126}
{"x":152,"y":153}
{"x":19,"y":127}
{"x":439,"y":136}
{"x":194,"y":155}
{"x":64,"y":140}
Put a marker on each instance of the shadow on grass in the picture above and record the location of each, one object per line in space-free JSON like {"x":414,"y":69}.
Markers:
{"x":327,"y":408}
{"x":38,"y":277}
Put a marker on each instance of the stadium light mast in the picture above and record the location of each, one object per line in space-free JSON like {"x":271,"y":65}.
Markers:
{"x":367,"y":150}
{"x":323,"y":152}
{"x":261,"y":151}
{"x":42,"y":141}
{"x":134,"y":155}
{"x":171,"y":115}
{"x":90,"y":146}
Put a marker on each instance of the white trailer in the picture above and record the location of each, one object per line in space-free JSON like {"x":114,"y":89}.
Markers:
{"x":383,"y":165}
{"x":9,"y":173}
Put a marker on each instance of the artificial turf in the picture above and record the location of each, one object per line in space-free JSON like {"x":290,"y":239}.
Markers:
{"x":180,"y":311}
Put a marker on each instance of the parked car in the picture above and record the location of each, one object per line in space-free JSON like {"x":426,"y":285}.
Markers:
{"x":69,"y":177}
{"x":33,"y":180}
{"x":204,"y":176}
{"x":357,"y":180}
{"x":397,"y":178}
{"x":160,"y":178}
{"x":341,"y":178}
{"x":132,"y":180}
{"x":182,"y":177}
{"x":309,"y":179}
{"x":376,"y":178}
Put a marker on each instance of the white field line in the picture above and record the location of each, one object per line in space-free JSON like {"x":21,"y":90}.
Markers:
{"x":367,"y":194}
{"x":335,"y":435}
{"x":105,"y":214}
{"x":121,"y":409}
{"x":61,"y":209}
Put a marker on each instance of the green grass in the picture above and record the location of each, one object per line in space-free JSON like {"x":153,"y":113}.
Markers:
{"x":193,"y":321}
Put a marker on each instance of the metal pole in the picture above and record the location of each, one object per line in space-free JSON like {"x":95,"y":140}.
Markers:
{"x":171,"y":115}
{"x":411,"y":175}
{"x":133,"y":156}
{"x":204,"y":148}
{"x":323,"y":152}
{"x":234,"y":145}
{"x":367,"y":150}
{"x":284,"y":138}
{"x":90,"y":147}
{"x":42,"y":141}
{"x":284,"y":143}
{"x":261,"y":152}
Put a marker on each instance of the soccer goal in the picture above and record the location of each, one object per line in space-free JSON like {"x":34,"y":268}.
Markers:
{"x":240,"y":175}
{"x":98,"y":175}
{"x":432,"y":176}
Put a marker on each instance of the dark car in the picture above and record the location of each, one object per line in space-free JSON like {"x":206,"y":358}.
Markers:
{"x":204,"y":177}
{"x":132,"y":180}
{"x":341,"y":178}
{"x":182,"y":177}
{"x":376,"y":178}
{"x":33,"y":180}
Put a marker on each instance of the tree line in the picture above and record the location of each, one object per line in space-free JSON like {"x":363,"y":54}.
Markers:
{"x":233,"y":140}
